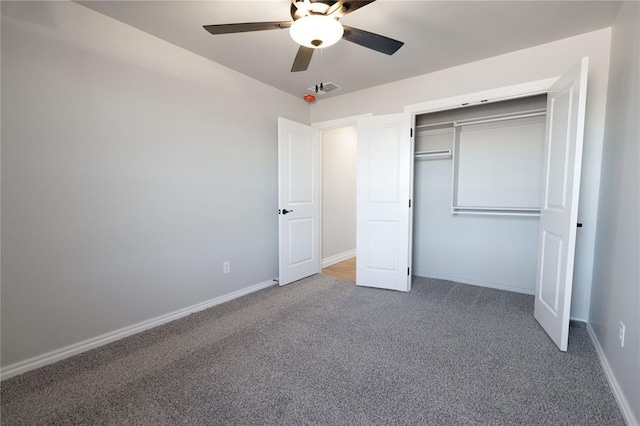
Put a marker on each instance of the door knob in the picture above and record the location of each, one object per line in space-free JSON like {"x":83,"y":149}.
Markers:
{"x":285,"y":211}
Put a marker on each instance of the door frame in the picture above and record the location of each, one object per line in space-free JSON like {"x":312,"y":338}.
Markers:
{"x":505,"y":93}
{"x":322,"y":126}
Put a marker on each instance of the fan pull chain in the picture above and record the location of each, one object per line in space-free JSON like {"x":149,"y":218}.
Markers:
{"x":321,"y":67}
{"x":317,"y":53}
{"x":320,"y":87}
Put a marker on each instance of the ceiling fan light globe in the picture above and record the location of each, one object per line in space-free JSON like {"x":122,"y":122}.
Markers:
{"x":316,"y":31}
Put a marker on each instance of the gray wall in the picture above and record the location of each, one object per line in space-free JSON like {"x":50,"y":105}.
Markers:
{"x":338,"y":191}
{"x":131,"y":169}
{"x":536,"y":63}
{"x":487,"y":250}
{"x":616,"y":283}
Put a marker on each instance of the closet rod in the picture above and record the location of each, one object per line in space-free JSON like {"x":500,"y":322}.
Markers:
{"x":534,"y":113}
{"x":439,"y":124}
{"x":500,"y":211}
{"x":522,"y":209}
{"x":432,"y":155}
{"x":495,"y":213}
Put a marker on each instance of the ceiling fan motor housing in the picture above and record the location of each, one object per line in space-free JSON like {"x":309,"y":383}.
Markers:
{"x":302,"y":8}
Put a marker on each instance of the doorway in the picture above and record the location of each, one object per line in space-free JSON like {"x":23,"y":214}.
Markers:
{"x":338,"y":211}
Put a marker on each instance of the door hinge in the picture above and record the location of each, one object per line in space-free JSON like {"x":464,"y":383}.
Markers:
{"x":411,"y":131}
{"x":408,"y":273}
{"x":409,"y":203}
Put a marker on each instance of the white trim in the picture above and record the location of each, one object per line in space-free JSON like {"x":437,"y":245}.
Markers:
{"x":339,"y":122}
{"x":622,"y":401}
{"x":94,"y":342}
{"x":479,"y":283}
{"x":332,"y":260}
{"x":494,"y":95}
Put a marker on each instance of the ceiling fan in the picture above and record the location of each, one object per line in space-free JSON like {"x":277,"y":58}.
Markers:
{"x":315,"y":26}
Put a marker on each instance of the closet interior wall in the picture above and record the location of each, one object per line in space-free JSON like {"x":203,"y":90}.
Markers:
{"x":477,"y":193}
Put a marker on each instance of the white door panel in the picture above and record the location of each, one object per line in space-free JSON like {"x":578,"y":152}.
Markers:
{"x":384,"y":178}
{"x":559,"y":211}
{"x":300,"y":240}
{"x":298,"y":200}
{"x":551,"y":255}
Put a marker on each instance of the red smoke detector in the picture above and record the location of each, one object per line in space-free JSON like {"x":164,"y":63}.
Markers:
{"x":309,"y":98}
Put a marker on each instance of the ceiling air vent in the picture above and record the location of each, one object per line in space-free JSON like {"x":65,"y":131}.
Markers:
{"x":326,"y":88}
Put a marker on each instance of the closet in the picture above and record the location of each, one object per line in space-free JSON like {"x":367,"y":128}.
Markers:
{"x":477,"y":193}
{"x":490,"y":196}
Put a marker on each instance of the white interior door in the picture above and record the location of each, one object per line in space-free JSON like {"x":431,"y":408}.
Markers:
{"x":384,"y":185}
{"x":298,"y":200}
{"x":559,"y":207}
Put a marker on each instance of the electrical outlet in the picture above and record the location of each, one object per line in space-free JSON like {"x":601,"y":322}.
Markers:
{"x":621,"y":335}
{"x":226,"y":267}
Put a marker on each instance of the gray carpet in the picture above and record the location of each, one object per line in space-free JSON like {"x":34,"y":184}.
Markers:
{"x":322,"y":351}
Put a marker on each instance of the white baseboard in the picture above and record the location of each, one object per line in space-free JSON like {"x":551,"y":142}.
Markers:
{"x":77,"y":348}
{"x":622,"y":401}
{"x":332,"y":260}
{"x":497,"y":286}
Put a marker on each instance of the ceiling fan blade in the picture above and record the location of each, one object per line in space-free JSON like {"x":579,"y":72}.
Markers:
{"x":373,"y":41}
{"x":303,"y":59}
{"x":342,"y":8}
{"x":246,"y":27}
{"x":355,"y":5}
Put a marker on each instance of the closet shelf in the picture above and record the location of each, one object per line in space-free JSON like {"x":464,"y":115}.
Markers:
{"x":438,"y":154}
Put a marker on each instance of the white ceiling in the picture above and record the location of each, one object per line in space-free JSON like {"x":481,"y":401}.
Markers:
{"x":437,"y":35}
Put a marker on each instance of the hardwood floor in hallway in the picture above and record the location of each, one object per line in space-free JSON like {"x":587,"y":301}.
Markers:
{"x":345,"y":269}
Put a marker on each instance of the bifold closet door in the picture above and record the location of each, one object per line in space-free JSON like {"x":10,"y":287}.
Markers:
{"x":566,"y":102}
{"x":384,"y":185}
